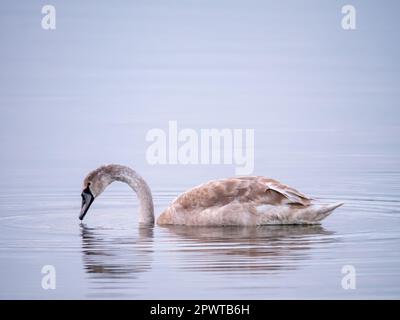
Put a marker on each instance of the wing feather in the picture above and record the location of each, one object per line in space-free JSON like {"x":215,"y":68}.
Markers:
{"x":292,"y":195}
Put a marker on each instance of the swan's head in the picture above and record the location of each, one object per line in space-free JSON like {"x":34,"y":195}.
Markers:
{"x":93,"y":185}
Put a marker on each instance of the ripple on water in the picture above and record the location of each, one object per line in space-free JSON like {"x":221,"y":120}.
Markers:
{"x":119,"y":259}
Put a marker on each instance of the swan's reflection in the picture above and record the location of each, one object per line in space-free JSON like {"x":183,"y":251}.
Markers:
{"x":253,"y":249}
{"x":108,"y":255}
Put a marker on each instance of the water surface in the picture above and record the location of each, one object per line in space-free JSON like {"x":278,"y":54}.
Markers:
{"x":110,"y":256}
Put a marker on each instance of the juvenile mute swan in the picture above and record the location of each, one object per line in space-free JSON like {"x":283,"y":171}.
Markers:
{"x":237,"y":201}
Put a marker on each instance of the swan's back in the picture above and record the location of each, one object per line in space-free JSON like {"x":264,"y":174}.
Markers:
{"x":259,"y":190}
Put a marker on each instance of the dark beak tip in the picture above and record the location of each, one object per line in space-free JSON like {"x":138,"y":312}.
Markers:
{"x":82,"y":214}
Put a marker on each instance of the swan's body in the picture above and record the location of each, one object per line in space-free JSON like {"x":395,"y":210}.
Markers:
{"x":247,"y":201}
{"x":237,"y":201}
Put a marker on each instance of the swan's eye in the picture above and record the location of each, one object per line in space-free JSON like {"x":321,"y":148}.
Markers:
{"x":87,"y":190}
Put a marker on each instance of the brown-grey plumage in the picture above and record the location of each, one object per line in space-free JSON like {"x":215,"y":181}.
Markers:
{"x":97,"y":180}
{"x":246,"y":201}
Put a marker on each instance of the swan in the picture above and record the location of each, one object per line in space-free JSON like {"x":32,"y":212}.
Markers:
{"x":236,"y":201}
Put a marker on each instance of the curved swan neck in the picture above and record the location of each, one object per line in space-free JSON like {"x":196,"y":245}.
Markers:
{"x":137,"y":183}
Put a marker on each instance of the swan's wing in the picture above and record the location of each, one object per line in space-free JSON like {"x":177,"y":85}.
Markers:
{"x":290,"y":195}
{"x":249,"y":189}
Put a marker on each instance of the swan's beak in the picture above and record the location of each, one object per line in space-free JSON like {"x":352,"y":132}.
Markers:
{"x":87,"y":200}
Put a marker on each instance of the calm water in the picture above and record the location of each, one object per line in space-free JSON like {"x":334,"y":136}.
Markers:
{"x":108,"y":256}
{"x":323,"y":103}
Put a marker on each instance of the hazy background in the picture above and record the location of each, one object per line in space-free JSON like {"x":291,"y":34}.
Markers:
{"x":323,"y":101}
{"x":87,"y":92}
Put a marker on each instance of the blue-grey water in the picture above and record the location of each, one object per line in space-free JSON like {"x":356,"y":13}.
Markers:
{"x":323,"y":103}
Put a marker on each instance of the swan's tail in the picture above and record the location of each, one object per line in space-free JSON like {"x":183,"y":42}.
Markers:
{"x":311,"y":214}
{"x":319,"y":212}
